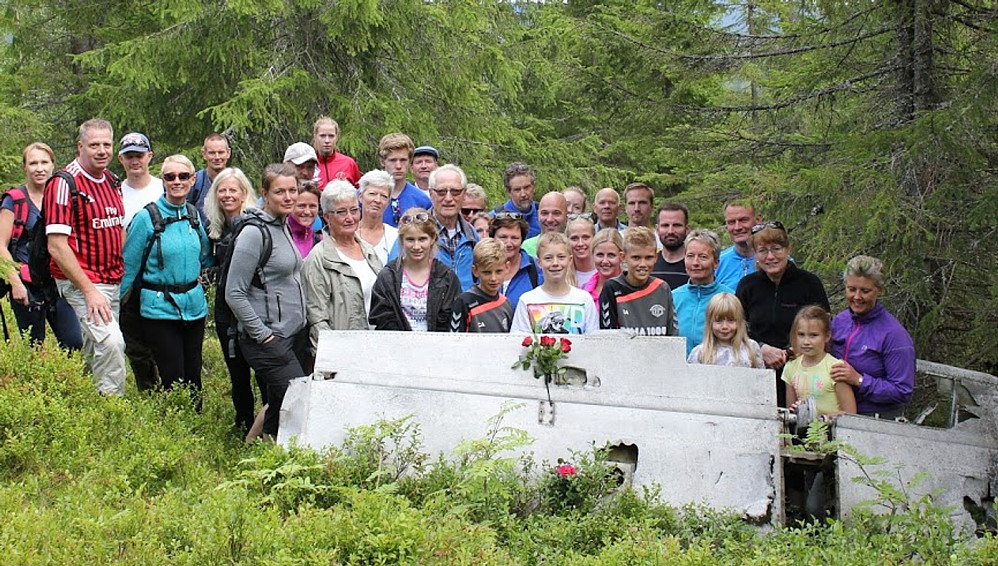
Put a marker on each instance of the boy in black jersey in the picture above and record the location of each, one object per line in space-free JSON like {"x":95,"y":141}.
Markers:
{"x":636,"y":299}
{"x":482,"y":308}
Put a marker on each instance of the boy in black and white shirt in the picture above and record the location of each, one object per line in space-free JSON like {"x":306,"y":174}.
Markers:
{"x":483,"y":308}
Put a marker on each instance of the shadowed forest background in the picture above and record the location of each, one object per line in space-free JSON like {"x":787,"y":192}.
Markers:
{"x":867,"y":126}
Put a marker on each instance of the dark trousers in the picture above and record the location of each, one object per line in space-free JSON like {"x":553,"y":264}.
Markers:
{"x":277,"y":363}
{"x":56,"y":311}
{"x":239,"y":374}
{"x":176,"y":348}
{"x":137,"y":350}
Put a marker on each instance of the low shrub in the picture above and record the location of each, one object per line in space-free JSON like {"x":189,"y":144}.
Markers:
{"x":145,"y":479}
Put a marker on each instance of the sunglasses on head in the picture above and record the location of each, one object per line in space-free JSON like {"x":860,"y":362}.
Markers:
{"x":504,"y":214}
{"x":582,"y":215}
{"x":133,"y":140}
{"x":774,"y":224}
{"x":183,"y":176}
{"x":420,"y":218}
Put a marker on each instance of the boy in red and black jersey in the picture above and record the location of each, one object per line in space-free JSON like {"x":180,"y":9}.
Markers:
{"x":482,"y":308}
{"x":84,"y":230}
{"x":636,"y":299}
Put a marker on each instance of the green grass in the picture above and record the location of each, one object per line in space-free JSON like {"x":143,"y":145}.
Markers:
{"x":144,"y":479}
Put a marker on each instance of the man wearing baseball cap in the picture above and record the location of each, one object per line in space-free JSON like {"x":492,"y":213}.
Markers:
{"x":137,"y":190}
{"x":303,"y":157}
{"x":424,"y":161}
{"x":139,"y":187}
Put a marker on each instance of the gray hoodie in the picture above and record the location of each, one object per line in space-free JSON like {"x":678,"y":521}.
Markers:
{"x":280,"y":309}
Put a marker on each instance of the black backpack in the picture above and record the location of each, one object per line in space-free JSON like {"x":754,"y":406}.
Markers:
{"x":159,"y":225}
{"x":39,"y":259}
{"x":223,"y":255}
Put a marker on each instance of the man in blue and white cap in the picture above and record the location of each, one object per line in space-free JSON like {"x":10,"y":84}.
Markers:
{"x":139,"y":187}
{"x":137,"y":190}
{"x":425,"y":159}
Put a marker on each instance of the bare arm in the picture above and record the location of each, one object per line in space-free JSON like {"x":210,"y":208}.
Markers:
{"x":62,"y":254}
{"x":846,"y":397}
{"x":791,"y":395}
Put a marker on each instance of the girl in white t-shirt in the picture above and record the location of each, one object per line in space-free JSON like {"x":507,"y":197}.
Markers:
{"x":725,"y":338}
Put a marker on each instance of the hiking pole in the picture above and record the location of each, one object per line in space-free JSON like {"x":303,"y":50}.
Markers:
{"x":3,"y":320}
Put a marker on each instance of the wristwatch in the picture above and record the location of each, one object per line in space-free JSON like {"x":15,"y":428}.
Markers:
{"x":860,"y":382}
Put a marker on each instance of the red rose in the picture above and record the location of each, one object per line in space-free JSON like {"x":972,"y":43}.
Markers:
{"x":527,"y":342}
{"x":547,"y":341}
{"x":566,"y":346}
{"x":566,"y":470}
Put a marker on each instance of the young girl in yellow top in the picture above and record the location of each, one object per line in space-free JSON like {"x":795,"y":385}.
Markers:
{"x":809,"y":374}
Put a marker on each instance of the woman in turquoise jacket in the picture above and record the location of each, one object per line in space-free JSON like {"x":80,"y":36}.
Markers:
{"x":165,"y":250}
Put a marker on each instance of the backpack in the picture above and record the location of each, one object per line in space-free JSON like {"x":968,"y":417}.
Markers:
{"x":159,"y":225}
{"x":223,"y":254}
{"x":39,"y":259}
{"x":532,"y":273}
{"x":22,"y":209}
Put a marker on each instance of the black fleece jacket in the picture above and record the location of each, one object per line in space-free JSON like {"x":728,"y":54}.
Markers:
{"x":770,"y":307}
{"x":386,"y":303}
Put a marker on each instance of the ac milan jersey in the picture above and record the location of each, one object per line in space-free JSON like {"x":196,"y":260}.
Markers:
{"x":93,"y":222}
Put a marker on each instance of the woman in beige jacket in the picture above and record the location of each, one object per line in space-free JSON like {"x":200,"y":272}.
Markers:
{"x":340,"y":270}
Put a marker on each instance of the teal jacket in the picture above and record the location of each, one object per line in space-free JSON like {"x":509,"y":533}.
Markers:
{"x":177,"y":261}
{"x":691,"y":301}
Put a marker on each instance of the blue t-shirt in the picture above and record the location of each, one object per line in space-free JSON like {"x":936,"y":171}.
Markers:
{"x":410,"y":197}
{"x":20,"y":252}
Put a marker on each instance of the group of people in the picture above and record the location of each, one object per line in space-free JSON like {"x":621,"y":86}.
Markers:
{"x":326,"y":247}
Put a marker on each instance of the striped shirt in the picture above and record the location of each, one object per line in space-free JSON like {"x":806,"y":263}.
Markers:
{"x":93,"y":223}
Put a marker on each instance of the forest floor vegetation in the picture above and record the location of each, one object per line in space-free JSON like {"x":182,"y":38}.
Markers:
{"x":145,"y":479}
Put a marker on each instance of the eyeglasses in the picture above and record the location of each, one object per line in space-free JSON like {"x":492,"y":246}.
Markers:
{"x":343,"y":212}
{"x":582,"y":215}
{"x":505,"y":214}
{"x":774,"y":224}
{"x":470,"y":211}
{"x":184,"y":176}
{"x":420,"y":218}
{"x":453,"y":192}
{"x":775,"y":250}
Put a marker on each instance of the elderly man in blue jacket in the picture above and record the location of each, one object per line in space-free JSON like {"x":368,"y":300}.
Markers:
{"x":448,"y":184}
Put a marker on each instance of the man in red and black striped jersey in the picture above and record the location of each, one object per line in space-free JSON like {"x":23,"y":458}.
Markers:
{"x":84,"y":229}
